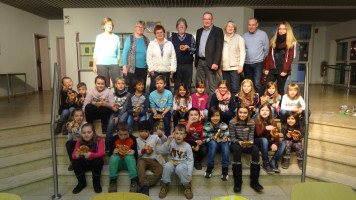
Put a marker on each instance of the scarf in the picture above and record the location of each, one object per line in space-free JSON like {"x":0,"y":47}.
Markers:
{"x":223,"y":98}
{"x":281,"y":41}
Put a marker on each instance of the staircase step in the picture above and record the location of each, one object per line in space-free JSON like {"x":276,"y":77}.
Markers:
{"x":327,"y":129}
{"x":332,"y":147}
{"x":332,"y":156}
{"x":331,"y":166}
{"x":330,"y":176}
{"x":333,"y":138}
{"x":15,"y":132}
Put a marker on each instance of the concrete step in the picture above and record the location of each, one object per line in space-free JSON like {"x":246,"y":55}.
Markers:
{"x":332,"y":157}
{"x":331,"y":147}
{"x":331,"y":166}
{"x":327,"y":129}
{"x":24,"y":131}
{"x":343,"y":139}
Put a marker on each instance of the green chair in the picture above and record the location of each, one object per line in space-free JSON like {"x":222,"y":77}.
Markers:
{"x":322,"y":191}
{"x":121,"y":195}
{"x":8,"y":196}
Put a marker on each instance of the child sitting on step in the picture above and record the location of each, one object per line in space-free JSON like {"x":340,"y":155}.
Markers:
{"x":123,"y":156}
{"x":180,"y":161}
{"x":293,"y":135}
{"x":147,"y":156}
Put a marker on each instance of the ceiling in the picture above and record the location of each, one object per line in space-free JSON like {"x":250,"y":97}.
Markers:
{"x":265,"y":10}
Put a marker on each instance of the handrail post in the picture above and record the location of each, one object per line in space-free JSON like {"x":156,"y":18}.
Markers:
{"x":306,"y":114}
{"x":53,"y":137}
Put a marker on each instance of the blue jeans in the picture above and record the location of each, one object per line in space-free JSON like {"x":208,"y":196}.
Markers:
{"x":274,"y":112}
{"x":111,"y":124}
{"x":153,"y":83}
{"x":233,"y":80}
{"x":225,"y":151}
{"x":254,"y":73}
{"x":264,"y":145}
{"x":166,"y":122}
{"x":65,"y":117}
{"x":131,"y":121}
{"x":283,"y":114}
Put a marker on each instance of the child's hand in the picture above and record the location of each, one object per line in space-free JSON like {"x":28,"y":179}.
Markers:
{"x":274,"y":105}
{"x":295,"y":138}
{"x":299,"y":110}
{"x":190,"y":178}
{"x":69,"y":128}
{"x":87,"y":155}
{"x":113,"y":108}
{"x":263,"y":101}
{"x":217,"y":139}
{"x":288,"y":134}
{"x":82,"y":99}
{"x":269,"y":127}
{"x":202,"y":114}
{"x":159,"y":132}
{"x":77,"y":154}
{"x":116,"y":151}
{"x":179,"y":107}
{"x":274,"y":147}
{"x":130,"y":152}
{"x":136,"y":118}
{"x":186,"y":109}
{"x":171,"y":137}
{"x":224,"y":139}
{"x":199,"y":142}
{"x":295,"y":109}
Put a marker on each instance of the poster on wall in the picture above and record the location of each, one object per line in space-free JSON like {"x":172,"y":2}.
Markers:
{"x":150,"y":25}
{"x":87,"y":50}
{"x":90,"y":64}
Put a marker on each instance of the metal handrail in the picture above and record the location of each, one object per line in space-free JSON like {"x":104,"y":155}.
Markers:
{"x":53,"y":137}
{"x":306,"y":114}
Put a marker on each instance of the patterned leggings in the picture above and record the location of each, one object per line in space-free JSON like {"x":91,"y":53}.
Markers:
{"x":293,"y":145}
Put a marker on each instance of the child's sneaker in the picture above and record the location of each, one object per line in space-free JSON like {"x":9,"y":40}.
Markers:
{"x":224,"y":175}
{"x":208,"y":172}
{"x":145,"y":190}
{"x":267,"y":167}
{"x":274,"y":166}
{"x":300,"y":164}
{"x":285,"y":163}
{"x":112,"y":185}
{"x":188,"y":191}
{"x":133,"y":185}
{"x":164,"y":190}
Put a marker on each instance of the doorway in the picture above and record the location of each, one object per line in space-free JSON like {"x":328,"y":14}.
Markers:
{"x":42,"y":62}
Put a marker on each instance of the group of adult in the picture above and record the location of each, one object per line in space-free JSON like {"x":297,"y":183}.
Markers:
{"x":227,"y":55}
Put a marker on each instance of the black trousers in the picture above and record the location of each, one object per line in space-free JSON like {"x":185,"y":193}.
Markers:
{"x":184,"y":75}
{"x":237,"y":150}
{"x":81,"y":165}
{"x":177,"y":115}
{"x":93,"y":112}
{"x":281,"y":80}
{"x":70,"y":146}
{"x":201,"y":153}
{"x":140,"y":74}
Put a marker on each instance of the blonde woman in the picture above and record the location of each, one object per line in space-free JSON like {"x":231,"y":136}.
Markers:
{"x":281,"y":55}
{"x":233,"y":57}
{"x":107,"y":52}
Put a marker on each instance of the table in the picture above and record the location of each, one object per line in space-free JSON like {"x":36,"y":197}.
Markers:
{"x":9,"y":83}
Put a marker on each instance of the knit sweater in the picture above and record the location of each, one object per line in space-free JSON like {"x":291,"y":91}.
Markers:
{"x":234,"y":52}
{"x":263,"y":132}
{"x":94,"y":96}
{"x":209,"y":131}
{"x":107,"y":49}
{"x":257,"y":45}
{"x":241,"y":132}
{"x":182,"y":154}
{"x":152,"y":140}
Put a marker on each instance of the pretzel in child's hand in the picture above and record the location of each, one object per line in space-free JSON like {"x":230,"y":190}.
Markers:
{"x":183,"y":108}
{"x":245,"y":144}
{"x":83,"y":149}
{"x":116,"y":106}
{"x":158,"y":116}
{"x":265,"y":99}
{"x":295,"y":133}
{"x":196,"y":148}
{"x":149,"y":149}
{"x":251,"y":108}
{"x":123,"y":149}
{"x":98,"y":104}
{"x":71,"y":124}
{"x":217,"y":135}
{"x":274,"y":132}
{"x":138,"y":109}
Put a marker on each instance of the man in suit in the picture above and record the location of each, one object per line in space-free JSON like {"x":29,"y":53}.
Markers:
{"x":209,"y":45}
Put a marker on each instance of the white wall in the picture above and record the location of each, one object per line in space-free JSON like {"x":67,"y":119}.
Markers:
{"x":56,"y":29}
{"x":87,"y":23}
{"x":18,"y":46}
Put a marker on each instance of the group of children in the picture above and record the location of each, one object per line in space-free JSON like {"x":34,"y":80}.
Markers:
{"x":242,"y":122}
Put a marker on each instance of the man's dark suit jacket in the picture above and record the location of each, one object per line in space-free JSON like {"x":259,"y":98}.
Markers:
{"x":213,"y":47}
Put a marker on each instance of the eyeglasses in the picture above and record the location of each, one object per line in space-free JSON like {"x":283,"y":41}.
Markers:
{"x":140,"y":27}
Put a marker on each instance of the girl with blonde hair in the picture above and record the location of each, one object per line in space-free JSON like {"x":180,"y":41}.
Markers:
{"x":281,"y":55}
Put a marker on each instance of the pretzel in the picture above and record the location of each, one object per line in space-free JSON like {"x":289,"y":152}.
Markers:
{"x":218,"y":134}
{"x":123,"y":149}
{"x":74,"y":95}
{"x":266,"y":98}
{"x":251,"y":108}
{"x":158,"y":116}
{"x":246,"y":144}
{"x":274,"y":132}
{"x":149,"y":149}
{"x":138,"y":109}
{"x":83,"y":149}
{"x":295,"y":133}
{"x":98,"y":104}
{"x":196,"y":148}
{"x":182,"y":108}
{"x":116,"y":105}
{"x":182,"y":47}
{"x":71,"y":124}
{"x":173,"y":162}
